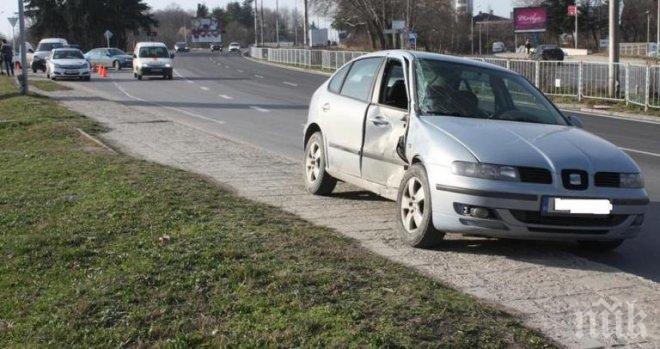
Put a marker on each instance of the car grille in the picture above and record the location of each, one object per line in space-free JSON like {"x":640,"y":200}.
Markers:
{"x":72,"y":66}
{"x":533,"y":217}
{"x":535,"y":175}
{"x":607,"y":179}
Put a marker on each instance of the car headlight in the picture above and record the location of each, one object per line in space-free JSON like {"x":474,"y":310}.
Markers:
{"x":168,"y":65}
{"x":485,"y":171}
{"x":631,"y":180}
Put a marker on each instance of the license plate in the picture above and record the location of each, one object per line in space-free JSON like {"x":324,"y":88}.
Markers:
{"x":156,"y":70}
{"x":70,"y":72}
{"x":569,"y":206}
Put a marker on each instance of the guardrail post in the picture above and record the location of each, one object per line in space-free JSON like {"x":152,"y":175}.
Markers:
{"x":508,"y":64}
{"x":579,"y":91}
{"x":647,"y":88}
{"x":627,"y":92}
{"x":537,"y":74}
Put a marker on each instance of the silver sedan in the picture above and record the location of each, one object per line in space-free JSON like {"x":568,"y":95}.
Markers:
{"x":471,"y":148}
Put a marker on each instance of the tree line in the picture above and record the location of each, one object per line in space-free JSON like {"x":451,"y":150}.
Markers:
{"x":362,"y":23}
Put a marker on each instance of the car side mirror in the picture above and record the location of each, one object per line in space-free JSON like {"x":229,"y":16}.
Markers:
{"x":575,"y":121}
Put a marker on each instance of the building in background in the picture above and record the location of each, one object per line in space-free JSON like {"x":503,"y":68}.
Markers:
{"x":464,"y":7}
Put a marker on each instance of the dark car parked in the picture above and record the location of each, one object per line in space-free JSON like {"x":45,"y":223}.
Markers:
{"x":548,"y":53}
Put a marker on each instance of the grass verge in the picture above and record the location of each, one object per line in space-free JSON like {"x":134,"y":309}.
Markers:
{"x":49,"y":86}
{"x":99,"y":249}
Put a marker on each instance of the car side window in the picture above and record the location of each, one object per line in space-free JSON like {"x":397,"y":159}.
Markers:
{"x":338,"y":79}
{"x":360,"y":78}
{"x":393,"y":91}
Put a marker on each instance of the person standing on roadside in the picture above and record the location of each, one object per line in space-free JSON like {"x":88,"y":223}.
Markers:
{"x":7,"y":53}
{"x":528,"y":46}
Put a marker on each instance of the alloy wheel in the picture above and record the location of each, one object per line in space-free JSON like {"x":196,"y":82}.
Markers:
{"x":413,"y":205}
{"x":313,"y":163}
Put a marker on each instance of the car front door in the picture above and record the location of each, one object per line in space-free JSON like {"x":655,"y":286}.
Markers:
{"x":345,"y":112}
{"x":387,"y":120}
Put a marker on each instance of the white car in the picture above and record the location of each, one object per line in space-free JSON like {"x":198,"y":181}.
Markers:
{"x":152,"y":59}
{"x":234,"y":47}
{"x":43,"y":51}
{"x":471,"y":148}
{"x":67,"y":63}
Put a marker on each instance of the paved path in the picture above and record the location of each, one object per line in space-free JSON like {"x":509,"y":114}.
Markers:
{"x":548,"y":287}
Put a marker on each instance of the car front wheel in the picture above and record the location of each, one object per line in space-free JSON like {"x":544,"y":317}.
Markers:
{"x":317,"y":180}
{"x":116,"y":65}
{"x":415,"y":221}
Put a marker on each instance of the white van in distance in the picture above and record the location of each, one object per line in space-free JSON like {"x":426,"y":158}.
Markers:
{"x":152,"y":59}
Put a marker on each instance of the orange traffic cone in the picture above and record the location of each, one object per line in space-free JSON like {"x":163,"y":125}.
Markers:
{"x":104,"y":72}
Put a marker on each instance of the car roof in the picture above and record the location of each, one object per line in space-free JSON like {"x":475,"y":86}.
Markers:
{"x":150,"y":43}
{"x":52,"y":40}
{"x":66,"y":49}
{"x":436,"y":56}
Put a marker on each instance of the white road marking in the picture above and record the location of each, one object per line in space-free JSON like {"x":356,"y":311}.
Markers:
{"x":290,"y":83}
{"x":227,"y":67}
{"x":204,"y":88}
{"x":226,"y":97}
{"x":261,"y":110}
{"x":258,"y":76}
{"x":641,"y":152}
{"x":238,"y":70}
{"x":183,"y":77}
{"x":122,"y":90}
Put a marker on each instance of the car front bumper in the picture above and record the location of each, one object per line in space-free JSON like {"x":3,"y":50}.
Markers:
{"x":515,"y":210}
{"x":70,"y":73}
{"x":155,"y":71}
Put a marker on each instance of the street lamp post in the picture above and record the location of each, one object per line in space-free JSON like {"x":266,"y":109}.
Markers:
{"x":24,"y":67}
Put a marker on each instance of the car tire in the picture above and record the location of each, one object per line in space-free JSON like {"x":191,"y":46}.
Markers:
{"x":116,"y":66}
{"x":87,"y":78}
{"x":414,"y":213}
{"x":317,"y":180}
{"x":600,"y":246}
{"x":34,"y":70}
{"x":139,"y":77}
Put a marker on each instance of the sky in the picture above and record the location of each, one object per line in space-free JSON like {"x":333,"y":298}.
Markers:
{"x":9,"y":7}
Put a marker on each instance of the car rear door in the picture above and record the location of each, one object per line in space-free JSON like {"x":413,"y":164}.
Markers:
{"x":385,"y":126}
{"x":345,"y":113}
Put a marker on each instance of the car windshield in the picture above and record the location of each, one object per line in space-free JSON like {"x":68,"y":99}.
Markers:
{"x":116,"y":52}
{"x":181,"y":44}
{"x":154,"y":52}
{"x":462,"y":90}
{"x":49,"y":46}
{"x":67,"y":54}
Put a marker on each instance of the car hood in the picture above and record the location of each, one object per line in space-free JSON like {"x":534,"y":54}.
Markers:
{"x":513,"y":143}
{"x":155,"y":61}
{"x":69,"y":61}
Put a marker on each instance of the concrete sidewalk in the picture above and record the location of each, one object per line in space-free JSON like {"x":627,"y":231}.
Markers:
{"x":572,"y":300}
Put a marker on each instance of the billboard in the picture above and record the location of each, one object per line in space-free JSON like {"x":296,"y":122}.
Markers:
{"x":529,"y":19}
{"x":205,"y":30}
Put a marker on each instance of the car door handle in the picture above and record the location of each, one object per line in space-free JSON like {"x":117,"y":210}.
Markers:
{"x":379,"y":121}
{"x":325,"y":107}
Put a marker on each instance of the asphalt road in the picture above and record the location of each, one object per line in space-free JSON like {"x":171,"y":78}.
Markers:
{"x":266,"y":106}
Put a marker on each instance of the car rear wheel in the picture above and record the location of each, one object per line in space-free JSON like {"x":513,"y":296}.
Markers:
{"x":600,"y":245}
{"x":139,"y":77}
{"x":415,"y":221}
{"x":317,"y":180}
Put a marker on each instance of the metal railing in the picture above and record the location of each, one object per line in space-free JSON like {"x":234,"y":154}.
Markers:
{"x":633,"y":83}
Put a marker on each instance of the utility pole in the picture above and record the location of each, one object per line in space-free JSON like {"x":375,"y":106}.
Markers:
{"x":277,"y":23}
{"x":648,"y":28}
{"x":24,"y":67}
{"x":657,"y":34}
{"x":262,"y":22}
{"x":613,"y":47}
{"x":295,"y":24}
{"x":577,"y":11}
{"x":256,"y":35}
{"x":306,"y":24}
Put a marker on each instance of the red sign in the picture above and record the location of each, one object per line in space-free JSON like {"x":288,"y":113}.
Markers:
{"x":572,"y":10}
{"x":530,"y":19}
